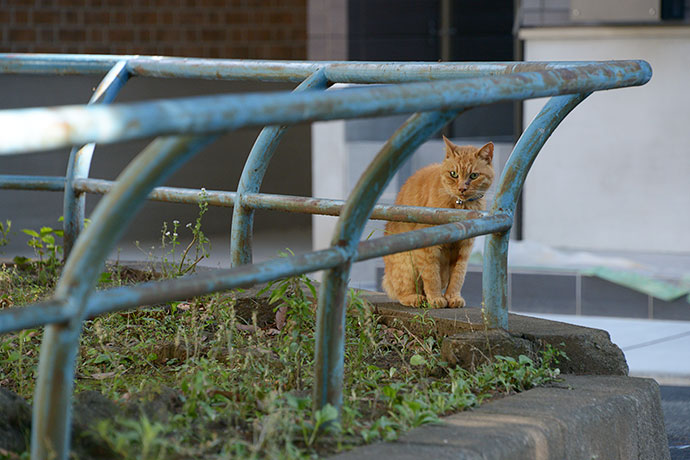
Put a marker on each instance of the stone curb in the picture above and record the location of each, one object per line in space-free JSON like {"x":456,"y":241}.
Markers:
{"x":603,"y":415}
{"x":584,"y":417}
{"x":467,"y":342}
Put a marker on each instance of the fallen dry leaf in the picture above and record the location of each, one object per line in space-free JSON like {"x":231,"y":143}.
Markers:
{"x":281,"y":317}
{"x":103,"y":375}
{"x":9,"y":455}
{"x":246,"y":327}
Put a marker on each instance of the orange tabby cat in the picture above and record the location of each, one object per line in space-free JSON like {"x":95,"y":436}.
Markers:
{"x":435,"y":275}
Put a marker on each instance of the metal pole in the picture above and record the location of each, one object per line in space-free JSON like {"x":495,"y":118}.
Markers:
{"x":80,"y":160}
{"x":52,"y":398}
{"x":72,"y":125}
{"x":252,"y":176}
{"x":330,"y":320}
{"x":495,"y":273}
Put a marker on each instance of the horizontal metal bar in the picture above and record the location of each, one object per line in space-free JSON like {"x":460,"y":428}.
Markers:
{"x":296,"y":71}
{"x":322,"y":206}
{"x":163,"y":194}
{"x":289,"y":203}
{"x":53,"y":311}
{"x":431,"y":236}
{"x":247,"y":275}
{"x":20,"y":182}
{"x":74,"y":125}
{"x":402,"y":72}
{"x":265,"y":201}
{"x":58,"y":64}
{"x":153,"y":292}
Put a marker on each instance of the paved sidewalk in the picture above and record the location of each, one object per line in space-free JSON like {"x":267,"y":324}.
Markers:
{"x":653,"y":348}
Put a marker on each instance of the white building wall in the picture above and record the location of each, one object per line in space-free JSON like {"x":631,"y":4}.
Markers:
{"x":329,"y":175}
{"x":616,"y":174}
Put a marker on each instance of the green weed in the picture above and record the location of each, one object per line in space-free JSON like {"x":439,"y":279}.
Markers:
{"x":4,"y":232}
{"x":171,"y":267}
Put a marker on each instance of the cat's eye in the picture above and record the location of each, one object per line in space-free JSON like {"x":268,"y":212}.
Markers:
{"x":453,"y":174}
{"x":473,"y":176}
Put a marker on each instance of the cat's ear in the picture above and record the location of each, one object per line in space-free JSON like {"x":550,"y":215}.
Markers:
{"x":450,"y":151}
{"x":486,"y":153}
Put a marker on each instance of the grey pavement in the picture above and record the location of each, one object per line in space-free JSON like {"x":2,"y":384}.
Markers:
{"x":675,"y":403}
{"x":656,"y":349}
{"x":653,"y":348}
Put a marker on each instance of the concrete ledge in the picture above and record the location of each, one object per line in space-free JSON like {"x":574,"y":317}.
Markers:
{"x":585,"y":417}
{"x":467,"y":342}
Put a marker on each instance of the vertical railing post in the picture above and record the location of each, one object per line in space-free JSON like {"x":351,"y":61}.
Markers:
{"x":495,"y":274}
{"x":50,"y":432}
{"x":495,"y":280}
{"x":330,"y":319}
{"x":80,"y":160}
{"x":252,"y":176}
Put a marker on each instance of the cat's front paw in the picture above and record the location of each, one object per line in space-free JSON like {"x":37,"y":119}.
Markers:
{"x":455,"y":301}
{"x":437,"y":302}
{"x":412,"y":300}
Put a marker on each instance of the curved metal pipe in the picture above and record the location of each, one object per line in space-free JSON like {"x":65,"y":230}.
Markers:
{"x":70,"y":125}
{"x":264,"y":70}
{"x":66,"y":125}
{"x":252,"y":176}
{"x":495,"y":273}
{"x":330,"y":320}
{"x":52,"y":397}
{"x":79,"y":162}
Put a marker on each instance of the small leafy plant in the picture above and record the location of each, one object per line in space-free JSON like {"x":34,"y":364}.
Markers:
{"x":4,"y":232}
{"x":48,"y":251}
{"x":45,"y":245}
{"x":170,"y":243}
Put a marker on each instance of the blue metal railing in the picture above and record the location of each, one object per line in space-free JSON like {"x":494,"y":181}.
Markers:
{"x":436,"y":93}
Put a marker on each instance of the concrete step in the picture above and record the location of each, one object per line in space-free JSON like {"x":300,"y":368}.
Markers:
{"x":584,"y":417}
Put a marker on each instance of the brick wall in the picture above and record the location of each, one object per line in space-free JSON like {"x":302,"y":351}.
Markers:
{"x":250,"y":29}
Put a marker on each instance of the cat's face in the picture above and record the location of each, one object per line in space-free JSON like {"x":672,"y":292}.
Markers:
{"x":466,"y":171}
